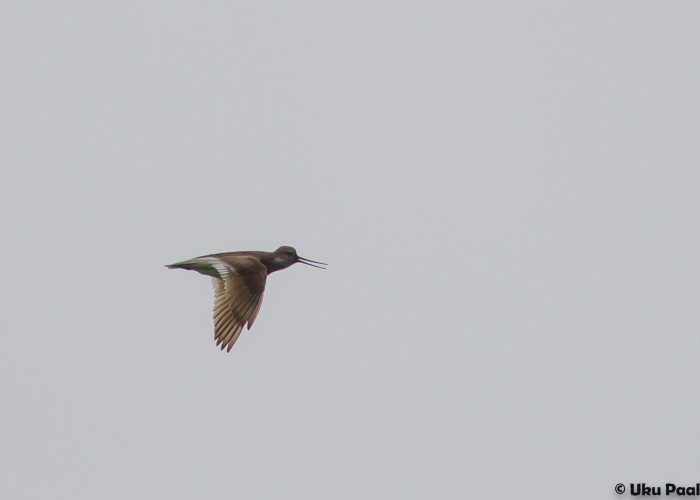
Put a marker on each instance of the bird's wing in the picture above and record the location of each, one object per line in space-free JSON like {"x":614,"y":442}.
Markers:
{"x":238,"y":295}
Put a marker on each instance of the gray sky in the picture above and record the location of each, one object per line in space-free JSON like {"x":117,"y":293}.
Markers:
{"x":507,"y":196}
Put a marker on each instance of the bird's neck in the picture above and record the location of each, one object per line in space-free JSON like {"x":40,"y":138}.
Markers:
{"x":275,"y":263}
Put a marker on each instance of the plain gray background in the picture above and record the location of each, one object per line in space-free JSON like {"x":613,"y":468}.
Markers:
{"x":507,"y":196}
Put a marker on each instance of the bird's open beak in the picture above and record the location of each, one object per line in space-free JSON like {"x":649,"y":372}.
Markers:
{"x":311,"y":262}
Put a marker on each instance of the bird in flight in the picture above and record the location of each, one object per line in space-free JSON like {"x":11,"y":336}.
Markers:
{"x":239,"y":283}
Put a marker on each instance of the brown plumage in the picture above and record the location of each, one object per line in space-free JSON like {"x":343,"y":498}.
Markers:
{"x":239,"y":284}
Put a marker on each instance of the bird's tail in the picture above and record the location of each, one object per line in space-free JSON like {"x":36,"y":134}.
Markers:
{"x":200,"y":265}
{"x":179,"y":265}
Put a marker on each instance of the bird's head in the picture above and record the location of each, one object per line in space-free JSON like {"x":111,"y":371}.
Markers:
{"x":286,"y":256}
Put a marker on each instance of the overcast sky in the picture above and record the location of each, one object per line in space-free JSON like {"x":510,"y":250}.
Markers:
{"x":507,"y":194}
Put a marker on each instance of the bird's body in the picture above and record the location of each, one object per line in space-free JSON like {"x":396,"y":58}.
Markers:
{"x":239,"y":283}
